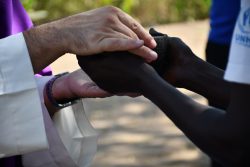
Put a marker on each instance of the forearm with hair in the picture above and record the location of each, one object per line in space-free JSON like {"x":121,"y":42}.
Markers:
{"x":44,"y":45}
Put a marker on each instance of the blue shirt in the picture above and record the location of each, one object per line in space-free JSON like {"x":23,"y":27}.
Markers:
{"x":223,"y":17}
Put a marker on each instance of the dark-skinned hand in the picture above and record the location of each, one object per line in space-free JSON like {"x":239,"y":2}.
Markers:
{"x":117,"y":72}
{"x":121,"y":72}
{"x":124,"y":73}
{"x":176,"y":60}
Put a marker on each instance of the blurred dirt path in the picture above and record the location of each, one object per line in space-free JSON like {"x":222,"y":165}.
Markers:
{"x":134,"y":132}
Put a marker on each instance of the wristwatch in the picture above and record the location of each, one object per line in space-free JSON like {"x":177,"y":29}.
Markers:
{"x":50,"y":96}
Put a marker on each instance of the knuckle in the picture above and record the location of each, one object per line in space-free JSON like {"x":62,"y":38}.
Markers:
{"x":112,"y":9}
{"x":134,"y":26}
{"x":110,"y":20}
{"x":175,"y":40}
{"x":132,"y":35}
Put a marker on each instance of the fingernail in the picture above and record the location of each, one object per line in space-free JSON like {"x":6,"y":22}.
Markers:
{"x":139,"y":42}
{"x":154,"y":55}
{"x":153,"y":43}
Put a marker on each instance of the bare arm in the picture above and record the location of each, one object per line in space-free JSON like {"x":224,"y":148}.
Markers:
{"x":104,"y":29}
{"x":207,"y":80}
{"x":224,"y":136}
{"x":184,"y":69}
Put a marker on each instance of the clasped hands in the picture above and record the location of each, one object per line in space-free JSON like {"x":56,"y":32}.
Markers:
{"x":123,"y":72}
{"x":105,"y":33}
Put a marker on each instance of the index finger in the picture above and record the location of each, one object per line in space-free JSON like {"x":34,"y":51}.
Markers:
{"x":137,"y":29}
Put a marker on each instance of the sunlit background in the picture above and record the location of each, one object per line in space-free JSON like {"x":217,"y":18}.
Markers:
{"x":134,"y":132}
{"x":149,"y":12}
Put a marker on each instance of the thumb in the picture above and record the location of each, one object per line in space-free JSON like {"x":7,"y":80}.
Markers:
{"x":91,"y":90}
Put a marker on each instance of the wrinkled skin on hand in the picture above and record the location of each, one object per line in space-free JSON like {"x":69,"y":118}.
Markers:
{"x":100,"y":30}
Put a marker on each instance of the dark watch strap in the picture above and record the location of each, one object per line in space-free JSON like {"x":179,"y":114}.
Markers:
{"x":50,"y":96}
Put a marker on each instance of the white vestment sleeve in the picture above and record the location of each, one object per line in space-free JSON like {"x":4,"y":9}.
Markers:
{"x":57,"y":155}
{"x":21,"y":120}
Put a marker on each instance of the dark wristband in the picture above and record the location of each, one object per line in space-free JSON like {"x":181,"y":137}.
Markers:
{"x":50,"y":96}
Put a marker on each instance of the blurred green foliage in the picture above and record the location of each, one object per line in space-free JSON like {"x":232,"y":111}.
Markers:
{"x":148,"y":12}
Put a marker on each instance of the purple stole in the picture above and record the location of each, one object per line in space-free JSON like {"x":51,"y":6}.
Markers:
{"x":14,"y":19}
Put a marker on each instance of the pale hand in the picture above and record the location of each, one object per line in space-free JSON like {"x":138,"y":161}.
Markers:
{"x":73,"y":86}
{"x":76,"y":85}
{"x":87,"y":33}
